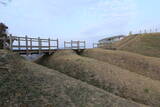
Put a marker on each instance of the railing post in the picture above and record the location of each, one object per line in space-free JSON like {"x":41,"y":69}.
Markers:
{"x":31,"y":44}
{"x":57,"y":43}
{"x":71,"y":44}
{"x":93,"y":45}
{"x":49,"y":44}
{"x":84,"y":44}
{"x":150,"y":30}
{"x":140,"y":32}
{"x":39,"y":44}
{"x":26,"y":39}
{"x":19,"y":43}
{"x":145,"y":31}
{"x":11,"y":42}
{"x":64,"y":45}
{"x":78,"y":44}
{"x":156,"y":30}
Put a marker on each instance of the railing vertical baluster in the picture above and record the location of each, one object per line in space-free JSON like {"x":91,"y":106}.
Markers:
{"x":26,"y":39}
{"x":64,"y":44}
{"x":84,"y":44}
{"x":71,"y":44}
{"x":39,"y":44}
{"x":19,"y":44}
{"x":31,"y":44}
{"x":11,"y":42}
{"x":49,"y":45}
{"x":78,"y":44}
{"x":57,"y":43}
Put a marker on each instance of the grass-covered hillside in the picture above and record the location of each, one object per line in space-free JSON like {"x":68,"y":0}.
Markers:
{"x":145,"y":44}
{"x":144,"y":65}
{"x":111,"y":78}
{"x":26,"y":84}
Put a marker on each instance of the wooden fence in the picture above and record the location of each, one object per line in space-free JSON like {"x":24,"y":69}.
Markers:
{"x":75,"y":45}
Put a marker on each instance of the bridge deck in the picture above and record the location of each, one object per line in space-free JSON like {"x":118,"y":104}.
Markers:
{"x":26,"y":45}
{"x":23,"y":52}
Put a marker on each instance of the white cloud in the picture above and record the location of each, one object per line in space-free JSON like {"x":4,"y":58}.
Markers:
{"x":115,"y":16}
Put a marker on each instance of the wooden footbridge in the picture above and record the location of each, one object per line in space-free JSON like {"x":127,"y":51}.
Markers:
{"x":26,"y":45}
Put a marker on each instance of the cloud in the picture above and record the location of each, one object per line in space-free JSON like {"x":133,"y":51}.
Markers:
{"x":115,"y":16}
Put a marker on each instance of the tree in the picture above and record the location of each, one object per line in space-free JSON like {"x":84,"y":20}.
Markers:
{"x":3,"y":34}
{"x":4,"y":2}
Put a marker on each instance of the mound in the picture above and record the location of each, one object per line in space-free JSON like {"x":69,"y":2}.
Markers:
{"x":147,"y":66}
{"x":26,"y":84}
{"x":106,"y":76}
{"x":145,"y":44}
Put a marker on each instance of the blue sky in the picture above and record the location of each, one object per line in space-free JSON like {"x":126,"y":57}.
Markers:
{"x":88,"y":20}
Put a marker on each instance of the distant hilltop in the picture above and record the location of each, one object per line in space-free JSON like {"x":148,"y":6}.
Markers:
{"x":145,"y":44}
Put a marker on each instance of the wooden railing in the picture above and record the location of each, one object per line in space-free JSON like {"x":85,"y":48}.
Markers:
{"x":28,"y":44}
{"x":95,"y":45}
{"x":75,"y":45}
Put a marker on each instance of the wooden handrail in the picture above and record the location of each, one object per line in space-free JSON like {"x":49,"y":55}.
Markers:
{"x":75,"y":44}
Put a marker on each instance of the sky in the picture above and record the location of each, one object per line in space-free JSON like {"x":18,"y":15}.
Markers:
{"x":89,"y":20}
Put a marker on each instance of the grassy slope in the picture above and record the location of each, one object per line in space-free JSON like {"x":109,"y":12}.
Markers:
{"x":145,"y":44}
{"x":106,"y":76}
{"x":27,"y":84}
{"x":147,"y":66}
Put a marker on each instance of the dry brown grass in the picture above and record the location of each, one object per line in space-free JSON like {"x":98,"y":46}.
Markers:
{"x":113,"y":79}
{"x":147,"y":66}
{"x":145,"y":44}
{"x":26,"y":84}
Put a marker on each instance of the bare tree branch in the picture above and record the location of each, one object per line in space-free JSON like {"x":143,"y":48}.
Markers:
{"x":1,"y":2}
{"x":4,"y":2}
